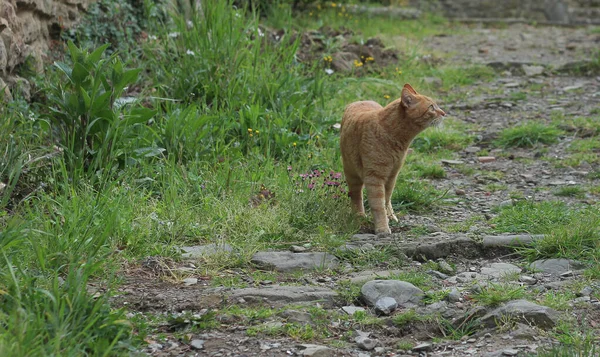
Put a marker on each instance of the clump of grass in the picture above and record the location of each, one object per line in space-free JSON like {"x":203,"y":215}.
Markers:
{"x":528,"y":134}
{"x":432,"y":171}
{"x":495,"y":294}
{"x":532,"y":217}
{"x":415,"y":195}
{"x":409,"y":316}
{"x":570,"y":191}
{"x":434,"y":139}
{"x":349,"y":292}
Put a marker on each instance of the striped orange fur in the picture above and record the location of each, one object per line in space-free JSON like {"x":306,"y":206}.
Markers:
{"x":374,"y":141}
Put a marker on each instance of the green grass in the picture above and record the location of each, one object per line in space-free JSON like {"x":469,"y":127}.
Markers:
{"x":528,"y":134}
{"x":495,"y":294}
{"x":570,"y":191}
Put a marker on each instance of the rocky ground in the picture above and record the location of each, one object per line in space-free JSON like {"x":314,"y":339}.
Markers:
{"x":390,"y":316}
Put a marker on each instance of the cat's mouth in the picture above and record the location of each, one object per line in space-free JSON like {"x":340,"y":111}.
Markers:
{"x":437,"y":122}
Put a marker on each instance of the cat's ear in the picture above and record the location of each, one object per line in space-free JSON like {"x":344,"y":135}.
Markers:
{"x":409,"y":88}
{"x":408,"y":96}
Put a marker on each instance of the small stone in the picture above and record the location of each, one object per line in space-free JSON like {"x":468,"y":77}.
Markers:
{"x":385,"y":305}
{"x":190,"y":281}
{"x":532,"y":71}
{"x":316,"y":351}
{"x":297,"y":249}
{"x":365,"y":343}
{"x":405,"y":294}
{"x":437,"y":274}
{"x":486,"y":159}
{"x":423,"y":347}
{"x":586,"y":291}
{"x":445,"y":268}
{"x":582,"y":299}
{"x":460,"y":192}
{"x":351,"y":310}
{"x":472,"y":340}
{"x":197,"y":344}
{"x":498,"y":270}
{"x":528,"y":280}
{"x":483,"y":50}
{"x":567,"y":274}
{"x":472,"y":149}
{"x":452,"y":162}
{"x":454,"y":295}
{"x":510,"y":352}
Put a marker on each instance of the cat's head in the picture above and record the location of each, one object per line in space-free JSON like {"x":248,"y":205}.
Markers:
{"x":421,"y":109}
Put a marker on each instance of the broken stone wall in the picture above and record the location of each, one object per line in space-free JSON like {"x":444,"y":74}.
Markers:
{"x":26,"y":28}
{"x":542,"y":11}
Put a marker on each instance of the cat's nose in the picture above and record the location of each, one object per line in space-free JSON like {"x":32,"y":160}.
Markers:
{"x":441,"y":112}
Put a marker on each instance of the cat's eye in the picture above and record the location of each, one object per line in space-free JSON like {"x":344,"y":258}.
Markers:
{"x":431,"y":108}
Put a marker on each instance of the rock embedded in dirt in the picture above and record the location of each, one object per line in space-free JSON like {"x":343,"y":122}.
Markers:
{"x":452,"y":162}
{"x":555,"y":266}
{"x":190,"y":281}
{"x":423,"y":347}
{"x":454,"y":295}
{"x":202,"y":251}
{"x":366,"y":343}
{"x":344,"y":61}
{"x":302,"y":317}
{"x":509,"y":240}
{"x":405,"y":294}
{"x":498,"y":270}
{"x":197,"y":344}
{"x":528,"y":280}
{"x":486,"y":159}
{"x":310,"y":350}
{"x":288,"y":261}
{"x":445,"y":268}
{"x":351,"y":310}
{"x":297,"y":249}
{"x":532,"y":70}
{"x":522,"y":311}
{"x":385,"y":305}
{"x":281,"y":295}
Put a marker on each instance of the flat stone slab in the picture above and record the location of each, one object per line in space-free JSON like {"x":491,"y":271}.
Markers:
{"x":201,"y":251}
{"x":405,"y":294}
{"x":283,"y":295}
{"x":522,"y":311}
{"x":555,"y":266}
{"x":510,"y":240}
{"x":367,"y":275}
{"x":498,"y":270}
{"x":461,"y":246}
{"x":287,"y":261}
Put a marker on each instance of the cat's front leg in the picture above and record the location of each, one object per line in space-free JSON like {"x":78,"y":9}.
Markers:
{"x":376,"y":197}
{"x":389,"y":189}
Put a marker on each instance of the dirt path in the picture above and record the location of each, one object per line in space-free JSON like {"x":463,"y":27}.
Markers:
{"x":529,"y":88}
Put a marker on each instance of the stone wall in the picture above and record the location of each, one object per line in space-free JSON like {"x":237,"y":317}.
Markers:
{"x":541,"y":11}
{"x":26,"y":28}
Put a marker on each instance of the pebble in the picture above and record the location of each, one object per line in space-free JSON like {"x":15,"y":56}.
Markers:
{"x":365,"y":343}
{"x":190,"y":281}
{"x":460,"y":192}
{"x":452,"y":162}
{"x":197,"y":344}
{"x":423,"y":347}
{"x":586,"y":291}
{"x":454,"y":295}
{"x":510,"y":352}
{"x":385,"y":305}
{"x":528,"y":280}
{"x":486,"y":159}
{"x":351,"y":310}
{"x":297,"y":249}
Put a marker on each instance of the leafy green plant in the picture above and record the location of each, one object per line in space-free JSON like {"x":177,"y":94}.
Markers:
{"x":495,"y":294}
{"x":94,"y":124}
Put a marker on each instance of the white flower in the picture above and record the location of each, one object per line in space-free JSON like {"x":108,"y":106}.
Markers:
{"x":153,"y":37}
{"x":190,"y":24}
{"x":190,"y":52}
{"x":260,"y":33}
{"x":173,"y":34}
{"x":329,"y":71}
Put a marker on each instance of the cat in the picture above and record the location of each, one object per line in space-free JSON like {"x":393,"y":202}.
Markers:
{"x":374,"y":141}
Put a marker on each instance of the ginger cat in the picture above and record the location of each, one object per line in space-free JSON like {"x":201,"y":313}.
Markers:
{"x":374,"y":141}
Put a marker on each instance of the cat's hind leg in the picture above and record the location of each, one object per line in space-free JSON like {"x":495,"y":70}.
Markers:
{"x":355,"y":191}
{"x":376,"y":195}
{"x":389,"y":189}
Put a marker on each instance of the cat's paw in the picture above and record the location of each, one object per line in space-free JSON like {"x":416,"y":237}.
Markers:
{"x":383,"y":231}
{"x":393,"y":217}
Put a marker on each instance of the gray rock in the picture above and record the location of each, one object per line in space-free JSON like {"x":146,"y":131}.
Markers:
{"x":524,"y":332}
{"x":190,"y":281}
{"x":586,"y":291}
{"x":452,"y":162}
{"x":466,"y":277}
{"x":582,"y":299}
{"x":316,"y":351}
{"x":285,"y":295}
{"x":522,"y":311}
{"x":365,"y":343}
{"x":509,"y":240}
{"x":351,"y":310}
{"x":437,"y":274}
{"x":368,"y":275}
{"x":423,"y":347}
{"x":288,"y":261}
{"x":510,"y":352}
{"x":385,"y":305}
{"x":445,"y":267}
{"x":454,"y":295}
{"x":297,"y":249}
{"x":461,"y":246}
{"x":528,"y":280}
{"x":201,"y":251}
{"x":555,"y":266}
{"x":405,"y":294}
{"x":532,"y":71}
{"x":498,"y":270}
{"x":472,"y":149}
{"x":197,"y":344}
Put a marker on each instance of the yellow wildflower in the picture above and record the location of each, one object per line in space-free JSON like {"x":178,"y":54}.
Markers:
{"x":386,"y":96}
{"x":251,"y":135}
{"x":333,"y":4}
{"x":257,"y":132}
{"x":357,"y":63}
{"x":250,"y":130}
{"x":294,"y":144}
